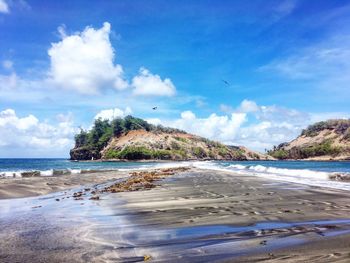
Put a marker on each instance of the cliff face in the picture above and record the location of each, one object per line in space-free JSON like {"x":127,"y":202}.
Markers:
{"x":176,"y":146}
{"x":155,"y":143}
{"x":327,"y":140}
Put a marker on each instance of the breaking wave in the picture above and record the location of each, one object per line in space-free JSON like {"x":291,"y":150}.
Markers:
{"x":51,"y":172}
{"x":335,"y":180}
{"x":58,"y":172}
{"x":305,"y":175}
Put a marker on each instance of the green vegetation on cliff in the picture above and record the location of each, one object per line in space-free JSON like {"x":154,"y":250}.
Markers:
{"x":134,"y":139}
{"x":91,"y":142}
{"x":141,"y":153}
{"x":339,"y":126}
{"x":326,"y":138}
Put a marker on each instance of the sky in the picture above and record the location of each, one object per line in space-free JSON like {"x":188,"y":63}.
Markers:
{"x":252,"y":73}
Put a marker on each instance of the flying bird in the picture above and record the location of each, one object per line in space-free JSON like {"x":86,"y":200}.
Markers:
{"x":154,"y":108}
{"x":228,"y":84}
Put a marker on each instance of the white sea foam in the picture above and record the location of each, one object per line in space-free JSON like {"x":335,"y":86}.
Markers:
{"x":298,"y":173}
{"x":46,"y":173}
{"x":237,"y":166}
{"x":16,"y":174}
{"x":74,"y":171}
{"x":299,"y":176}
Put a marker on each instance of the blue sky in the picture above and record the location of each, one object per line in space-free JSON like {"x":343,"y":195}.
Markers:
{"x":62,"y":63}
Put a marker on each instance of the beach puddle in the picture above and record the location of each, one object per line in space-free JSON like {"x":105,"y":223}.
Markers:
{"x":207,"y":243}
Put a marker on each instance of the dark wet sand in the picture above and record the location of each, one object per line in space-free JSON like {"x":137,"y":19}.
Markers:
{"x":40,"y":185}
{"x":219,"y":198}
{"x":196,"y":216}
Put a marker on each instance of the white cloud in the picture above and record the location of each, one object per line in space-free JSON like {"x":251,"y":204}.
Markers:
{"x":110,"y":114}
{"x":24,"y":136}
{"x":270,"y":125}
{"x":8,"y":82}
{"x":154,"y":121}
{"x":248,"y":106}
{"x":313,"y":62}
{"x":84,"y":61}
{"x":324,"y":67}
{"x":251,"y":125}
{"x":146,"y":83}
{"x":4,"y":8}
{"x":188,"y":115}
{"x":221,"y":128}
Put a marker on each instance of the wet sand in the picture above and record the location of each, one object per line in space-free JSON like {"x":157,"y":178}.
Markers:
{"x":40,"y":185}
{"x":194,"y":216}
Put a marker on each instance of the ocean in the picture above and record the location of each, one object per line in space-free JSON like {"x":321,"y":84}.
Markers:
{"x":320,"y":174}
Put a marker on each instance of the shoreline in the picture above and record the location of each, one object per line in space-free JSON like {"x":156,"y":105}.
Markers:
{"x":204,"y":160}
{"x":196,"y":215}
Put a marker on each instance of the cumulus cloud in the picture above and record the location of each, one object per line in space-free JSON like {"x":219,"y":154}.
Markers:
{"x":146,"y":83}
{"x":248,"y":106}
{"x":84,"y":61}
{"x":154,"y":121}
{"x":111,"y":114}
{"x":221,"y":128}
{"x":29,"y":135}
{"x":249,"y":124}
{"x":4,"y":8}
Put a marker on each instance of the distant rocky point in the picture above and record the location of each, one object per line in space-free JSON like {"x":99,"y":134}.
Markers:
{"x":326,"y":140}
{"x":134,"y":139}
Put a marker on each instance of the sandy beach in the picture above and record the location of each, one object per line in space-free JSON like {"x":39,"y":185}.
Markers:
{"x":193,"y":216}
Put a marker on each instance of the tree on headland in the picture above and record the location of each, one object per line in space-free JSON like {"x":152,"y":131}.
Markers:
{"x":104,"y":130}
{"x":81,"y":138}
{"x":118,"y":127}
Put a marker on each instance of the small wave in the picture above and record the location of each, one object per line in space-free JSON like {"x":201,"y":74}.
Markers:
{"x":10,"y":174}
{"x":299,"y":173}
{"x":238,"y":166}
{"x":75,"y":171}
{"x":46,"y":173}
{"x":299,"y":176}
{"x":34,"y":173}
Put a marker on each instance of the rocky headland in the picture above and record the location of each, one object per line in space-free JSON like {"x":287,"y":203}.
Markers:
{"x":326,"y":140}
{"x":135,"y":139}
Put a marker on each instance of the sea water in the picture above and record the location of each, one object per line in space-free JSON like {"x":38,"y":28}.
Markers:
{"x":17,"y":167}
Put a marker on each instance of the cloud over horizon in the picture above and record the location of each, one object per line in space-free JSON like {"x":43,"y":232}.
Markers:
{"x":28,"y":136}
{"x":249,"y":124}
{"x":256,"y":127}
